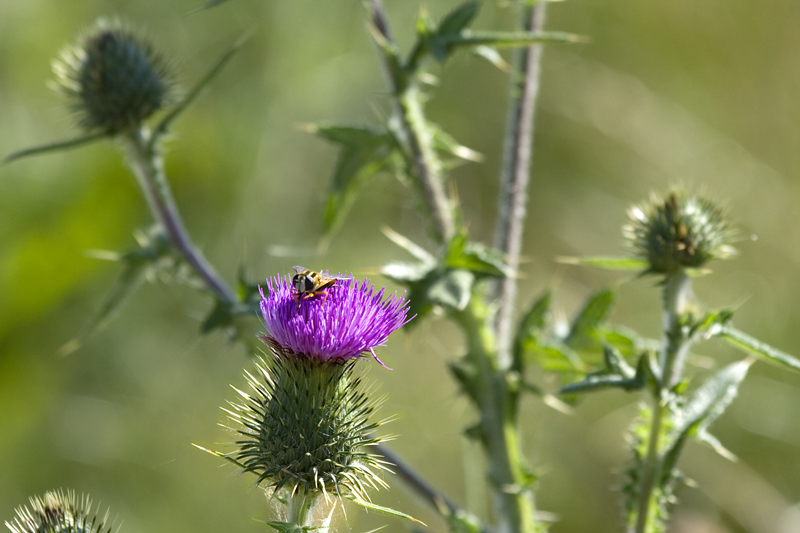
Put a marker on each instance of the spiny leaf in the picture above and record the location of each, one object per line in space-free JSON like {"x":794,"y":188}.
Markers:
{"x":461,"y":521}
{"x":502,"y":39}
{"x":607,"y":263}
{"x":703,"y":408}
{"x":553,"y":357}
{"x":53,"y":147}
{"x":139,"y":264}
{"x":288,"y":527}
{"x":459,"y":18}
{"x":752,"y":345}
{"x":417,"y":251}
{"x":475,"y":257}
{"x":385,"y":510}
{"x":492,"y":56}
{"x":406,"y":273}
{"x":453,"y":289}
{"x":594,"y":314}
{"x":364,"y":153}
{"x":532,"y":326}
{"x":616,"y":374}
{"x":446,"y":143}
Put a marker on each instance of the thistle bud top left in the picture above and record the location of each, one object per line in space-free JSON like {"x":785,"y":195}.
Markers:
{"x":60,"y":511}
{"x":113,"y":78}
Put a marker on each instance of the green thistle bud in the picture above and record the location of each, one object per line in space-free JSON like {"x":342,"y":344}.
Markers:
{"x":305,"y":427}
{"x":678,"y":231}
{"x":59,"y":512}
{"x":113,"y":78}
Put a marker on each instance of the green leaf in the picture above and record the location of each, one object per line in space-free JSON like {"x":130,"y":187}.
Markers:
{"x":459,"y":18}
{"x":385,"y":510}
{"x":475,"y":257}
{"x":288,"y":527}
{"x":502,"y":39}
{"x":53,"y":147}
{"x":462,"y":521}
{"x":183,"y":104}
{"x":220,"y":317}
{"x":607,"y":263}
{"x":553,"y":357}
{"x":595,"y":312}
{"x":616,"y":374}
{"x":138,"y":266}
{"x":752,"y":345}
{"x":713,"y":442}
{"x":533,"y":324}
{"x":491,"y":55}
{"x":446,"y":143}
{"x":452,"y":288}
{"x":706,"y":405}
{"x":466,"y":374}
{"x":416,"y":251}
{"x":364,"y":153}
{"x":406,"y":273}
{"x":622,"y":339}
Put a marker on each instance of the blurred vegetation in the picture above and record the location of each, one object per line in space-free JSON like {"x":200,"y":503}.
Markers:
{"x":700,"y":93}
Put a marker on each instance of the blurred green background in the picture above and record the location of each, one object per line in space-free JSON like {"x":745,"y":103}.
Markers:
{"x":699,"y":93}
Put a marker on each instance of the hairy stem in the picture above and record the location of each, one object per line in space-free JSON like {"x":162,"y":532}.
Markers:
{"x":417,"y":137}
{"x":300,"y":511}
{"x":675,"y":345}
{"x":497,"y":398}
{"x":650,"y":468}
{"x":148,"y":166}
{"x":677,"y":295}
{"x":515,"y":173}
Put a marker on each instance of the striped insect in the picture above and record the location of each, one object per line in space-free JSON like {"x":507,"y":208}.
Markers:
{"x":309,"y":283}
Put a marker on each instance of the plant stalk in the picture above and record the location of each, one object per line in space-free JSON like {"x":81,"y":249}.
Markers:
{"x":300,"y":511}
{"x":497,"y":399}
{"x":677,"y":292}
{"x":515,"y":173}
{"x":407,"y":101}
{"x":148,"y":166}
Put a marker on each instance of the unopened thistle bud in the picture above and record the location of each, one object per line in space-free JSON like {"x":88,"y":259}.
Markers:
{"x":677,"y":231}
{"x":307,"y":420}
{"x":59,"y":512}
{"x":113,"y":79}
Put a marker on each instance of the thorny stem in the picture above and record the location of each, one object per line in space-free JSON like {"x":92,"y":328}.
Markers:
{"x":406,"y":99}
{"x":497,"y":397}
{"x":148,"y":166}
{"x":515,"y":174}
{"x":675,"y":346}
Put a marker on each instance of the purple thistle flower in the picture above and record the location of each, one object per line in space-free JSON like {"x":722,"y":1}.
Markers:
{"x":353,"y":320}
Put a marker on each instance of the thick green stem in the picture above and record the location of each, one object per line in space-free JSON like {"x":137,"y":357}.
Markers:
{"x":677,"y":297}
{"x":148,"y":166}
{"x":300,"y":511}
{"x":650,"y":468}
{"x":675,"y":346}
{"x":497,"y":398}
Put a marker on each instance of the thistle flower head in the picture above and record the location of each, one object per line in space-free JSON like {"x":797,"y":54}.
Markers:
{"x":678,"y":231}
{"x":347,"y":322}
{"x":59,"y":512}
{"x":113,"y":78}
{"x":306,"y":422}
{"x":304,"y":428}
